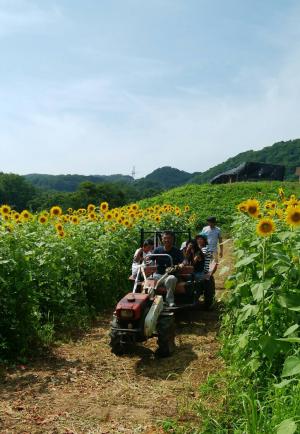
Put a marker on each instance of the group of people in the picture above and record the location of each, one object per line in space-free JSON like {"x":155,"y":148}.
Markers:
{"x":198,"y":252}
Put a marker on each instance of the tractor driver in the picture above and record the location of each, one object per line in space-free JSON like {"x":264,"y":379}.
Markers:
{"x":163,"y":262}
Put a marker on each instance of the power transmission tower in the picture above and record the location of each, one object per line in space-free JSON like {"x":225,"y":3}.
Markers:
{"x":133,"y":173}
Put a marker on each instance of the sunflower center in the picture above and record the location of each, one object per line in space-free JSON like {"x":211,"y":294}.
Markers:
{"x":252,"y":209}
{"x":295,"y":217}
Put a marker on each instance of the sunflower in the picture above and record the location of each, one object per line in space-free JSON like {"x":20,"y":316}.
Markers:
{"x":91,"y":208}
{"x":59,"y":227}
{"x":5,"y":209}
{"x":56,"y":211}
{"x":293,"y":216}
{"x":92,"y":216}
{"x":75,"y":219}
{"x":242,"y":207}
{"x":252,"y":207}
{"x":61,"y":234}
{"x":134,"y":207}
{"x":126,"y":223}
{"x":109,"y":216}
{"x":70,"y":210}
{"x":104,"y":207}
{"x":265,"y":227}
{"x":25,"y":214}
{"x":186,"y":208}
{"x":42,"y":219}
{"x":157,"y":218}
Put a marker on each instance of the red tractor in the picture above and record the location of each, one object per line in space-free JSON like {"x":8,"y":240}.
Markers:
{"x":143,"y":313}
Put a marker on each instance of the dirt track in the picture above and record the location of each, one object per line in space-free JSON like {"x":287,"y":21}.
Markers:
{"x":83,"y":388}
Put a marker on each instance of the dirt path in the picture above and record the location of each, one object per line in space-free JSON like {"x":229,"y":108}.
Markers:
{"x":83,"y":388}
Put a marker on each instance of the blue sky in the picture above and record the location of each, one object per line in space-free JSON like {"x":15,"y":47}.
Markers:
{"x":99,"y":86}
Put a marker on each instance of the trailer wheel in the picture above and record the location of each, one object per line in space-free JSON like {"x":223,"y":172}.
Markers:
{"x":209,"y":293}
{"x":165,"y":335}
{"x":115,"y":339}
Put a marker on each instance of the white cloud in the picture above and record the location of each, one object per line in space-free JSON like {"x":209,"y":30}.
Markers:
{"x":105,"y":123}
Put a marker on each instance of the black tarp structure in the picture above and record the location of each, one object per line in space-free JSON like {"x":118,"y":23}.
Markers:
{"x":250,"y":171}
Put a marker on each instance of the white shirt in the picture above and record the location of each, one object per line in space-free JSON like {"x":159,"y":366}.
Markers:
{"x":213,"y":235}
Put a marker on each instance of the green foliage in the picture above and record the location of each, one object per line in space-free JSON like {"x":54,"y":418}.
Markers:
{"x":15,"y":190}
{"x":70,"y":183}
{"x":261,"y":333}
{"x":220,"y":200}
{"x":51,"y":285}
{"x":285,"y":153}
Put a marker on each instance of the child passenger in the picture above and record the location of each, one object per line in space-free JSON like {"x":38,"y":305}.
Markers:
{"x":140,"y":255}
{"x":202,"y":258}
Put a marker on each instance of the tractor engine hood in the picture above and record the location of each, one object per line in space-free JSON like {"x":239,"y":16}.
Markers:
{"x":132,"y":304}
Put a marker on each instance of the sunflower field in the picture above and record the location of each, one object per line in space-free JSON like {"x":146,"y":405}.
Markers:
{"x":260,"y":331}
{"x":58,"y":270}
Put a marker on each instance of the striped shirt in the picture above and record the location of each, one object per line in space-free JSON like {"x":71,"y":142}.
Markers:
{"x":203,"y":265}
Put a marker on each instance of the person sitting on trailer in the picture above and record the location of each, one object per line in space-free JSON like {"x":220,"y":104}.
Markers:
{"x":169,"y":281}
{"x":140,"y":255}
{"x":202,"y":258}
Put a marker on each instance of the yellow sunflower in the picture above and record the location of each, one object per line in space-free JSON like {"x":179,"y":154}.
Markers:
{"x":75,"y":219}
{"x":104,"y":207}
{"x":265,"y":227}
{"x":56,"y":211}
{"x":5,"y":209}
{"x":109,"y":216}
{"x":91,"y":208}
{"x":242,"y":207}
{"x":293,"y":216}
{"x":25,"y":214}
{"x":59,"y":227}
{"x":186,"y":208}
{"x":134,"y":207}
{"x":253,"y":207}
{"x":42,"y":219}
{"x":61,"y":234}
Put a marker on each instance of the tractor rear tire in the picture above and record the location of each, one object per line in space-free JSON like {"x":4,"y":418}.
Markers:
{"x":165,"y":335}
{"x":117,"y":347}
{"x":209,"y":293}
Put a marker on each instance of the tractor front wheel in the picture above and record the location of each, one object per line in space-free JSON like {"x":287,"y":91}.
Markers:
{"x":165,"y":335}
{"x":117,"y":347}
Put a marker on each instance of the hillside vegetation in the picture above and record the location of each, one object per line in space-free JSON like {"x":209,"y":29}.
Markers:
{"x":220,"y":200}
{"x":285,"y":153}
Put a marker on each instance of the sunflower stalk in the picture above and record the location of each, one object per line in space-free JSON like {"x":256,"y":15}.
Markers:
{"x":263,"y":279}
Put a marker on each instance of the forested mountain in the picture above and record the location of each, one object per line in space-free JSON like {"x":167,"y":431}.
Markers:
{"x":169,"y":177}
{"x":42,"y":191}
{"x":285,"y":153}
{"x":71,"y":182}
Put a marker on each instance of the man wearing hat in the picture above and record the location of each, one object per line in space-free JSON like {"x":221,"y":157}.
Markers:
{"x":213,"y":233}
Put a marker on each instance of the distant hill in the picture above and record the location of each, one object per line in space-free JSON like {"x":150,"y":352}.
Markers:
{"x":163,"y":178}
{"x":169,"y":177}
{"x":70,"y":183}
{"x":285,"y":153}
